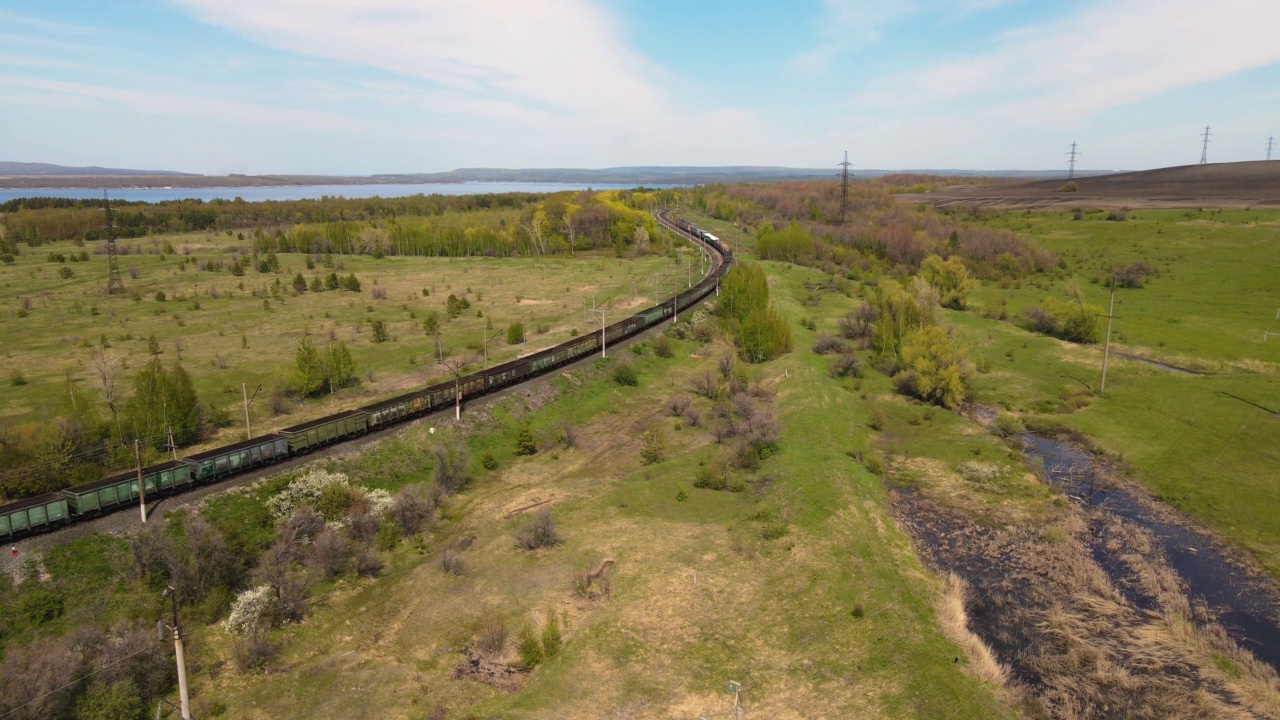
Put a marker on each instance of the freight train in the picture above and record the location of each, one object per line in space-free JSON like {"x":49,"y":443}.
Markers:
{"x":73,"y":504}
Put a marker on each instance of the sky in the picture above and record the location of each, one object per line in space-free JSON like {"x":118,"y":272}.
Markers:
{"x":358,"y":87}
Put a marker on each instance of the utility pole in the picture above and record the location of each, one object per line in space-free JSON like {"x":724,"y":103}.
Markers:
{"x":142,"y":490}
{"x":248,"y":428}
{"x":488,"y":325}
{"x":184,"y":699}
{"x":1106,"y":346}
{"x":1204,"y":148}
{"x":173,"y":449}
{"x":455,"y":367}
{"x":114,"y":284}
{"x":735,"y":689}
{"x":1071,"y":162}
{"x":601,"y":312}
{"x":844,"y":187}
{"x":1271,"y":141}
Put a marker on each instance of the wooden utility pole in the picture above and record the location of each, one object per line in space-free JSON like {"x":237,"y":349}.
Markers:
{"x":248,"y":428}
{"x":173,"y":448}
{"x":1106,"y":346}
{"x":455,"y":367}
{"x":184,"y":698}
{"x":142,"y":489}
{"x":487,"y":337}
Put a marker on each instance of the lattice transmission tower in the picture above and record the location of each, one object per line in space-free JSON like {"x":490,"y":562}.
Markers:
{"x":1072,"y":154}
{"x":1204,"y":147}
{"x":115,"y":285}
{"x":1271,"y":141}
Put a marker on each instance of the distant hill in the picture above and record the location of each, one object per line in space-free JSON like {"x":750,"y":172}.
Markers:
{"x":1218,"y":185}
{"x":42,"y":175}
{"x":45,"y":169}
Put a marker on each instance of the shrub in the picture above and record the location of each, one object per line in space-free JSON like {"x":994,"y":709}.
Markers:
{"x":678,"y":404}
{"x":159,"y":296}
{"x":305,"y":491}
{"x":551,"y":638}
{"x":569,"y":434}
{"x":1009,"y":424}
{"x":450,"y":467}
{"x":663,"y":347}
{"x":515,"y":333}
{"x":411,"y":510}
{"x":451,"y":562}
{"x":1069,"y":187}
{"x":253,"y":651}
{"x":388,"y":536}
{"x":537,"y":531}
{"x":1130,"y":276}
{"x":368,"y":564}
{"x":529,"y":647}
{"x":704,"y":384}
{"x":251,"y":609}
{"x":846,"y":364}
{"x":1073,"y":321}
{"x":691,"y":417}
{"x":491,"y":637}
{"x":950,"y":278}
{"x":489,"y":461}
{"x":117,"y":701}
{"x":934,"y":368}
{"x":380,"y":332}
{"x":39,"y":605}
{"x":526,"y":443}
{"x":654,"y":445}
{"x":624,"y":373}
{"x":826,"y":343}
{"x":330,"y":553}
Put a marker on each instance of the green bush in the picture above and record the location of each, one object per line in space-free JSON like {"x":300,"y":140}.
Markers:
{"x":526,"y":443}
{"x":663,"y":347}
{"x":488,"y":461}
{"x":515,"y":333}
{"x":934,"y":368}
{"x":388,"y":536}
{"x":529,"y":647}
{"x":624,"y":373}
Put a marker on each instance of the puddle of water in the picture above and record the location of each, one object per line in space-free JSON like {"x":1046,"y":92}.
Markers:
{"x":1245,"y":606}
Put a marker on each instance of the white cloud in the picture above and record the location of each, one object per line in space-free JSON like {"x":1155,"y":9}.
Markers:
{"x":1105,"y":56}
{"x":171,"y":104}
{"x":529,"y":80}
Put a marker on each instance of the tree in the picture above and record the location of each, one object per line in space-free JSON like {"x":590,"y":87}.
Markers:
{"x":935,"y":368}
{"x":380,"y":332}
{"x":106,"y":368}
{"x":950,"y":278}
{"x":309,"y":375}
{"x":163,"y":401}
{"x":431,"y":326}
{"x":515,"y":333}
{"x":339,"y":368}
{"x":117,"y":701}
{"x":454,"y":305}
{"x":299,"y":283}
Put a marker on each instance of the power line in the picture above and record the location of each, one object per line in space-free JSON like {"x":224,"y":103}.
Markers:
{"x":1271,"y":141}
{"x":1071,"y":161}
{"x":1204,"y":148}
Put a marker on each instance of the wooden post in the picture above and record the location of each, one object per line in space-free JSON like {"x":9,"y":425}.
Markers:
{"x":184,"y":699}
{"x":1106,"y":348}
{"x":142,"y":488}
{"x":248,"y":428}
{"x":173,"y":448}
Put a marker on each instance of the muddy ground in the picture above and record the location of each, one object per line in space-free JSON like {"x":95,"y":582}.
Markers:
{"x":1086,"y":615}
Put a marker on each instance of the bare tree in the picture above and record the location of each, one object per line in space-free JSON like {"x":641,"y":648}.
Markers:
{"x":107,"y":366}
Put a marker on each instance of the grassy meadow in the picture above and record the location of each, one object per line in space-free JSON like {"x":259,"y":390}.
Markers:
{"x":1191,"y":438}
{"x":798,"y":584}
{"x":228,"y":330}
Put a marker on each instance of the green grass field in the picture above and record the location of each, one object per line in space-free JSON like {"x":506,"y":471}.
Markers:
{"x":1186,"y":437}
{"x":800,"y":587}
{"x":248,"y":332}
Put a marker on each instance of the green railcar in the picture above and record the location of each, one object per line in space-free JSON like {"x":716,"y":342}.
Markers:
{"x":397,"y":408}
{"x":122,"y":489}
{"x":33,"y":514}
{"x":222,"y":461}
{"x":317,"y":433}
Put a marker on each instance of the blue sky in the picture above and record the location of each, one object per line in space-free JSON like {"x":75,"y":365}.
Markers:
{"x":370,"y":86}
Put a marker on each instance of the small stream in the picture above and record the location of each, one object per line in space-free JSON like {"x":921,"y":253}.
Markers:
{"x":1219,"y":588}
